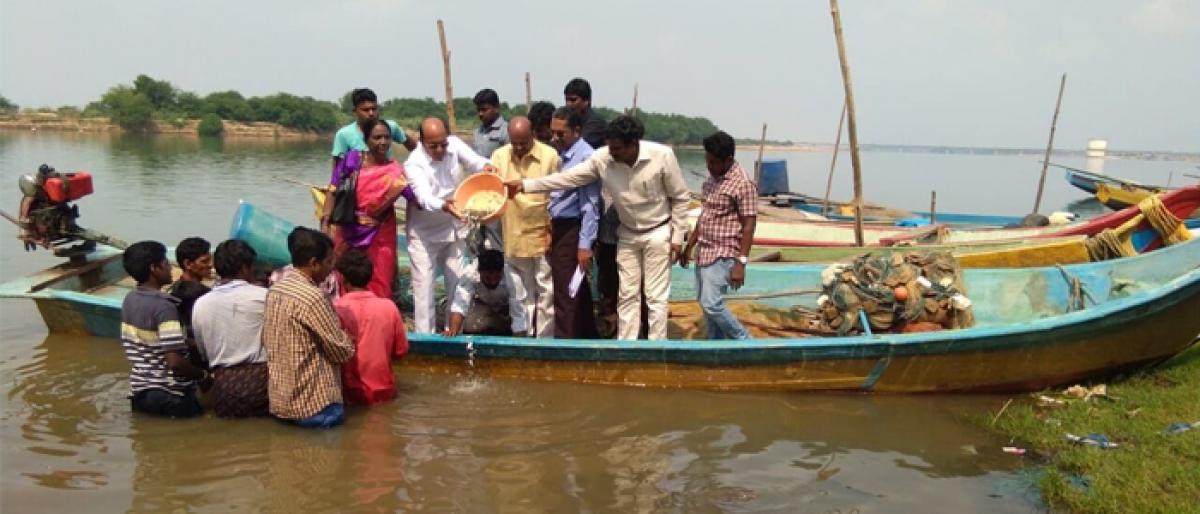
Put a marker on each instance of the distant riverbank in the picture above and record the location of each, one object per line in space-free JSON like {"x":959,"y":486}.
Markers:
{"x":58,"y":123}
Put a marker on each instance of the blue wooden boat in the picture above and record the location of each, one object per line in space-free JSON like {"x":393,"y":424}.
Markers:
{"x":1142,"y":310}
{"x":1026,"y":338}
{"x":1089,"y":182}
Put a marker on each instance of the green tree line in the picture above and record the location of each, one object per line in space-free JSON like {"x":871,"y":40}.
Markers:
{"x":137,"y":106}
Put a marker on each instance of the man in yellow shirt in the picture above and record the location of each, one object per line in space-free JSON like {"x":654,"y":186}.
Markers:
{"x":527,"y":224}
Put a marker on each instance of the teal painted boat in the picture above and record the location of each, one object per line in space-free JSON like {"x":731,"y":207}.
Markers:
{"x":1141,"y":310}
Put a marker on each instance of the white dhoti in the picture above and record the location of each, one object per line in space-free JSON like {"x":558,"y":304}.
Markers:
{"x":538,"y":301}
{"x":426,"y":258}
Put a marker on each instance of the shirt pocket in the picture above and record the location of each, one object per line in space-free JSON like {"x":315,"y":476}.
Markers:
{"x":643,"y":191}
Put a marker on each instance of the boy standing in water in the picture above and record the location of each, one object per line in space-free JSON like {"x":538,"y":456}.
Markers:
{"x":378,"y":332}
{"x":161,"y":379}
{"x":194,"y":256}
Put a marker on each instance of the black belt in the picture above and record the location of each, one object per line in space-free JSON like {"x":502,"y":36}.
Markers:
{"x":566,"y":221}
{"x":645,"y":230}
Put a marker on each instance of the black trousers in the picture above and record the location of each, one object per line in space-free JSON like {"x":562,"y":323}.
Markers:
{"x":161,"y":403}
{"x":574,"y":318}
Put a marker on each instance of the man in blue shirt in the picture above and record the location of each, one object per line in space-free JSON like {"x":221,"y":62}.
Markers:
{"x":574,"y":222}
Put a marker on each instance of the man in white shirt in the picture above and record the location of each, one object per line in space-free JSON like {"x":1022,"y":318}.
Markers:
{"x":228,"y":325}
{"x":436,"y":233}
{"x":486,"y":301}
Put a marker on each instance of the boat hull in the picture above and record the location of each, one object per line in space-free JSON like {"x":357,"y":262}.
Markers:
{"x":948,"y":362}
{"x":70,"y":316}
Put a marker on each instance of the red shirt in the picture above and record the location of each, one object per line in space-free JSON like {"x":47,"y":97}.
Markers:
{"x":378,"y":332}
{"x":726,"y":200}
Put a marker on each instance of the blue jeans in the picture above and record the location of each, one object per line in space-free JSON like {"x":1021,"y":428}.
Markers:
{"x":712,"y":282}
{"x":331,"y":416}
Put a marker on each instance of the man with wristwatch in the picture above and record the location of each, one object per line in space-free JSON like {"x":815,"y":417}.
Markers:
{"x":724,"y":233}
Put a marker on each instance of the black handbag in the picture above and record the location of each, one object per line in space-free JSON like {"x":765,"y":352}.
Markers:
{"x":345,"y":200}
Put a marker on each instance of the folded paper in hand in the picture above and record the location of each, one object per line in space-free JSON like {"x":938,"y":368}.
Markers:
{"x":576,"y":280}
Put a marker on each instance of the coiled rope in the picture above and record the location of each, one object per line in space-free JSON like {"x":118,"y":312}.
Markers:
{"x":1171,"y":228}
{"x":1115,"y":243}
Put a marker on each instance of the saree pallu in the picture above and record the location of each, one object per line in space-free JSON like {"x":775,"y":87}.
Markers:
{"x":240,"y":391}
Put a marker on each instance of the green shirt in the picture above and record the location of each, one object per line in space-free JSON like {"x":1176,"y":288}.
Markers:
{"x":351,"y":137}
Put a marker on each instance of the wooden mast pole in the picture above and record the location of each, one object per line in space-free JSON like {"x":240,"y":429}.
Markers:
{"x":837,"y":145}
{"x":853,"y":126}
{"x":762,"y":142}
{"x":633,"y":110}
{"x":933,"y":207}
{"x":528,"y":94}
{"x":1037,"y":202}
{"x":451,"y":120}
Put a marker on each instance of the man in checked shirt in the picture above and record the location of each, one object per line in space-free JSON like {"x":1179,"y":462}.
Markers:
{"x":304,"y":339}
{"x":724,"y":234}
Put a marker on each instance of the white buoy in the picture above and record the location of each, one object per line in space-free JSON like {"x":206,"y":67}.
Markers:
{"x":1097,"y":150}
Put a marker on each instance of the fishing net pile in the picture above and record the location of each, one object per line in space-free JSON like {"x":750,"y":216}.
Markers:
{"x":900,"y":292}
{"x":897,"y":292}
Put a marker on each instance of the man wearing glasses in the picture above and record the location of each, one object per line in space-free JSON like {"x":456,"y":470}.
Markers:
{"x":436,"y":233}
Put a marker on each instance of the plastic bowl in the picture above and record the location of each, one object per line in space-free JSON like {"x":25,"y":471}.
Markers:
{"x":477,"y":183}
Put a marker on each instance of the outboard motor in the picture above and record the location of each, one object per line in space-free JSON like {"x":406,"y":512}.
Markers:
{"x":47,"y":216}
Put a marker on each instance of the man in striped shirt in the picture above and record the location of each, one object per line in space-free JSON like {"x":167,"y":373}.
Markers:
{"x":724,"y":234}
{"x":304,"y":340}
{"x":162,"y":381}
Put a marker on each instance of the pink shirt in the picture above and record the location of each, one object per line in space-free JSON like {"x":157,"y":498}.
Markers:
{"x":378,"y":332}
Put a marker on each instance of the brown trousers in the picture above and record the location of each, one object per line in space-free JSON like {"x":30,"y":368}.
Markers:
{"x":574,"y":318}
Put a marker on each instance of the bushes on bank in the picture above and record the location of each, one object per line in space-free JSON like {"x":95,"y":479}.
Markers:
{"x":211,"y":125}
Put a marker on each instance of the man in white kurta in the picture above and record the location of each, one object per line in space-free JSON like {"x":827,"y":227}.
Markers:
{"x":436,"y":234}
{"x":650,"y":198}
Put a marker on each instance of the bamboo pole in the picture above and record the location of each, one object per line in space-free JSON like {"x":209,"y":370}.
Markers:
{"x":1037,"y":202}
{"x":451,"y":120}
{"x":853,"y":126}
{"x":837,"y":145}
{"x":633,"y":110}
{"x":762,"y":142}
{"x":933,"y":207}
{"x":528,"y":94}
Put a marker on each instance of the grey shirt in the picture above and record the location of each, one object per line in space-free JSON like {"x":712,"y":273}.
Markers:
{"x":490,"y":137}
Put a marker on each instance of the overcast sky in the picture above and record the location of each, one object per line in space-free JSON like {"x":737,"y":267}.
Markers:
{"x":958,"y":72}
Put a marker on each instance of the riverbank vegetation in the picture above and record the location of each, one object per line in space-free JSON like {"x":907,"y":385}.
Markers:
{"x":1155,"y":466}
{"x":148,"y":102}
